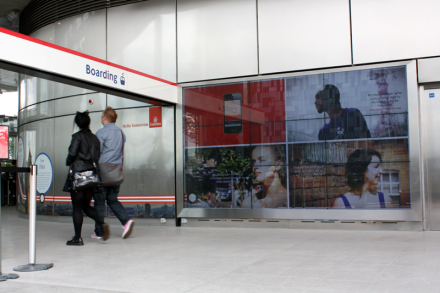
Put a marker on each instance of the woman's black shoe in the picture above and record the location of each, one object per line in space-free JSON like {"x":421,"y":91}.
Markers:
{"x":75,"y":241}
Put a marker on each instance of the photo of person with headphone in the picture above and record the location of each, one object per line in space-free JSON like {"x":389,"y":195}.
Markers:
{"x":344,"y":123}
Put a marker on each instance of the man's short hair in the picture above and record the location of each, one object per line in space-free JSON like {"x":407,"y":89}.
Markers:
{"x":331,"y":92}
{"x":330,"y":97}
{"x":110,"y":114}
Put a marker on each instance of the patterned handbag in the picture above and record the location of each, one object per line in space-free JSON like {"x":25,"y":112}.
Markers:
{"x":85,"y":180}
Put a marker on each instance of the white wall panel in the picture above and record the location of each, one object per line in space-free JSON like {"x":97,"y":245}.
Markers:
{"x":84,"y":33}
{"x":142,"y":36}
{"x":386,"y":30}
{"x":428,"y":70}
{"x":216,"y":39}
{"x":303,"y":34}
{"x":46,"y":33}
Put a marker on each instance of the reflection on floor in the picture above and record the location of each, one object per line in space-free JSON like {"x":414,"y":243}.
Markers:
{"x":169,"y":259}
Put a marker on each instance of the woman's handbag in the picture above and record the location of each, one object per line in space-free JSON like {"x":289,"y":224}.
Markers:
{"x":86,"y":179}
{"x":68,"y":185}
{"x":112,"y":174}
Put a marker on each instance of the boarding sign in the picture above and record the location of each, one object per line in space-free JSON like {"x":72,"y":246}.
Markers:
{"x":34,"y":53}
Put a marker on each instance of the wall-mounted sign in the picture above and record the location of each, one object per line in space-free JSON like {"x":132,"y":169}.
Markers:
{"x":20,"y":153}
{"x":44,"y":173}
{"x":155,"y":117}
{"x":431,"y":95}
{"x":34,"y":53}
{"x":4,"y":142}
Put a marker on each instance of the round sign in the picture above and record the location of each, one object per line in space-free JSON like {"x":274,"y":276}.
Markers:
{"x":20,"y":153}
{"x":192,"y":198}
{"x":44,"y":173}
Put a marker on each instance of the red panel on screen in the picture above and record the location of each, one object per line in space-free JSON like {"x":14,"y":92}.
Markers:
{"x":204,"y":105}
{"x":4,"y":142}
{"x":269,"y":97}
{"x":215,"y":136}
{"x":204,"y":114}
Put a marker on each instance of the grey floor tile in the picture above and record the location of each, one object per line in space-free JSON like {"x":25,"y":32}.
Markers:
{"x":298,"y":272}
{"x":274,"y":289}
{"x":342,"y":286}
{"x":405,"y":273}
{"x":362,"y":267}
{"x":399,"y":287}
{"x":354,"y":276}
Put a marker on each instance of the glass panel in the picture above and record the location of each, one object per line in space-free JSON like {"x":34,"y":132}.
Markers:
{"x":219,"y":177}
{"x":299,"y":131}
{"x":301,"y":92}
{"x":386,"y":177}
{"x":394,"y":177}
{"x":269,"y":132}
{"x":395,"y":188}
{"x":118,"y":102}
{"x":386,"y":188}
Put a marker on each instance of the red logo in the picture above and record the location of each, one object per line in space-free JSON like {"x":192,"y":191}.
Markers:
{"x":155,"y":117}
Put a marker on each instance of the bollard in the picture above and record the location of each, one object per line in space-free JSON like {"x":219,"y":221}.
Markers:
{"x":3,"y":277}
{"x":32,"y":266}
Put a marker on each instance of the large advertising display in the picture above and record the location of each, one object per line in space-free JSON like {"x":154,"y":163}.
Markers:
{"x":334,"y":140}
{"x":4,"y":142}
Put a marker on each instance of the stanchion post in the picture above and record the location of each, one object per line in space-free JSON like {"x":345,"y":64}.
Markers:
{"x":32,"y":197}
{"x":3,"y":277}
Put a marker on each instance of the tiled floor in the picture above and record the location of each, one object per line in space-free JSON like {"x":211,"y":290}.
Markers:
{"x":169,"y":259}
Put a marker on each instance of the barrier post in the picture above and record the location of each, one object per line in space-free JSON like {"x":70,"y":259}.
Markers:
{"x":3,"y":277}
{"x":32,"y":197}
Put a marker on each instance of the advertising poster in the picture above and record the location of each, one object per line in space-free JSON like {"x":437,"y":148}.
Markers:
{"x":334,"y":140}
{"x":4,"y":142}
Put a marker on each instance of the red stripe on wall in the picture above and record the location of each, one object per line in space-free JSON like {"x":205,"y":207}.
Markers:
{"x":121,"y":198}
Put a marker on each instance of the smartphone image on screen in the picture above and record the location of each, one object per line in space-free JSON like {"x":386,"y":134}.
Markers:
{"x":232,"y":113}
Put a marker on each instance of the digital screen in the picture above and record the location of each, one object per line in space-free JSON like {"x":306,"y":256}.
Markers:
{"x":4,"y":142}
{"x":325,"y":141}
{"x":232,"y":110}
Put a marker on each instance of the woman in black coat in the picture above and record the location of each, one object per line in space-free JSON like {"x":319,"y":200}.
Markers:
{"x":84,"y":143}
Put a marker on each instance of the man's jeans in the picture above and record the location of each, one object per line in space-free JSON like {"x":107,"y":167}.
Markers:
{"x":111,"y":195}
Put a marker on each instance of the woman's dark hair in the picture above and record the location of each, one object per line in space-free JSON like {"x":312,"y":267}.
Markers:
{"x":357,"y":165}
{"x":82,"y":119}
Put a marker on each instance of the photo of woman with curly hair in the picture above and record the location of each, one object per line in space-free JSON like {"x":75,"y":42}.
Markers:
{"x":363,"y":171}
